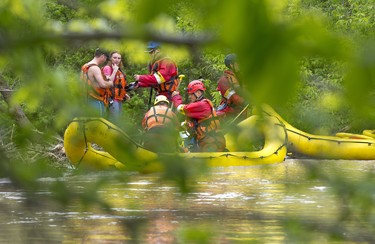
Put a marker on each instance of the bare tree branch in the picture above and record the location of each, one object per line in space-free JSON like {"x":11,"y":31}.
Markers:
{"x":15,"y":109}
{"x":189,"y":40}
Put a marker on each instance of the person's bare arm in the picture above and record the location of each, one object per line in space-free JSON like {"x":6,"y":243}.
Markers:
{"x":95,"y":72}
{"x":111,"y":76}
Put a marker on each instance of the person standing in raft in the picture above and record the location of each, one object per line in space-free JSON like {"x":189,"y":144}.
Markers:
{"x":201,"y":119}
{"x":96,"y":86}
{"x":118,"y":92}
{"x":231,"y":104}
{"x":163,"y":73}
{"x":160,"y":124}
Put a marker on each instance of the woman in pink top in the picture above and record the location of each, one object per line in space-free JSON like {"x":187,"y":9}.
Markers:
{"x":117,"y":93}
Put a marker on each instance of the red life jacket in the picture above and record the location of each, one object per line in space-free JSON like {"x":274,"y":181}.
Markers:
{"x":91,"y":87}
{"x":208,"y":125}
{"x":159,"y":116}
{"x":168,"y":85}
{"x":228,"y":83}
{"x":232,"y":78}
{"x":231,"y":102}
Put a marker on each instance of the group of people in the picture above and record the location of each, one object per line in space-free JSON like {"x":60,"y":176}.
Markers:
{"x":107,"y":89}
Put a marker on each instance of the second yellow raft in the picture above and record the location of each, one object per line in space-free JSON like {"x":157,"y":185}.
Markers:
{"x":341,"y":146}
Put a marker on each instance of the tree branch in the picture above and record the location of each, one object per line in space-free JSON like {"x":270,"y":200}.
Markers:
{"x":15,"y":109}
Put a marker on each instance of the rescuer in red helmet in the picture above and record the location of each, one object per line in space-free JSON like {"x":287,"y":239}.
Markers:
{"x":201,"y":120}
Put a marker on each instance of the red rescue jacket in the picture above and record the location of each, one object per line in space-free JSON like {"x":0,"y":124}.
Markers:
{"x":230,"y":102}
{"x":163,"y":76}
{"x":205,"y":125}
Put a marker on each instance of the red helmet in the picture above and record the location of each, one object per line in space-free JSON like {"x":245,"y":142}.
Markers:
{"x":195,"y":85}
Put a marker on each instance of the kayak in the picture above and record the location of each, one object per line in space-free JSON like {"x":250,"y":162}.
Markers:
{"x":340,"y":146}
{"x":99,"y":144}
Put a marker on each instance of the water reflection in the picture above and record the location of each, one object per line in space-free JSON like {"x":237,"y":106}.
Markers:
{"x":234,"y":204}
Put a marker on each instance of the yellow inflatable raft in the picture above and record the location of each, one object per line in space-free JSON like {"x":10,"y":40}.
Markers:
{"x":115,"y":149}
{"x":341,"y":146}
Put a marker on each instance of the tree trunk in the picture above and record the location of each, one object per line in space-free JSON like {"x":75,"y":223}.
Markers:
{"x":15,"y":109}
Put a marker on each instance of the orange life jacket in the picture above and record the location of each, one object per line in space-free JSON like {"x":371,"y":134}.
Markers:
{"x":169,"y":85}
{"x":209,"y":125}
{"x":159,"y":116}
{"x":96,"y":92}
{"x":118,"y":91}
{"x":233,"y":81}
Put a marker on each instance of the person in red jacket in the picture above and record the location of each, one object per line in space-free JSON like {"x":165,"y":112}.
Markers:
{"x":163,"y":72}
{"x":160,"y":124}
{"x":231,"y":103}
{"x":201,"y":120}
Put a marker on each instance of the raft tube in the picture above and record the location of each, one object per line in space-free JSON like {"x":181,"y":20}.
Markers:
{"x":343,"y":146}
{"x":118,"y":150}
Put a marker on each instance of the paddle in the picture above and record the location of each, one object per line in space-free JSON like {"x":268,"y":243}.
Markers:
{"x":180,"y":77}
{"x":240,"y":113}
{"x":150,"y":98}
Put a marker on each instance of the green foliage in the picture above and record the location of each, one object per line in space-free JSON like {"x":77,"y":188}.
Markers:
{"x":355,"y":18}
{"x":60,"y":12}
{"x":312,"y":60}
{"x":197,"y":234}
{"x":328,"y":76}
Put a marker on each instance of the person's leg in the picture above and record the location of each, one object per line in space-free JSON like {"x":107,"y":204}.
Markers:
{"x":212,"y":143}
{"x":98,"y":106}
{"x":115,"y":110}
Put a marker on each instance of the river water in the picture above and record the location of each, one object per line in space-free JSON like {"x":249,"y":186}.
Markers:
{"x":281,"y":203}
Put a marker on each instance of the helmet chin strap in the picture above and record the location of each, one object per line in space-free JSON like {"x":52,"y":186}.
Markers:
{"x":154,"y":54}
{"x":200,"y":97}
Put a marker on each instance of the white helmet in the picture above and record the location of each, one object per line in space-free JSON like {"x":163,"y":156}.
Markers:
{"x":161,"y":98}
